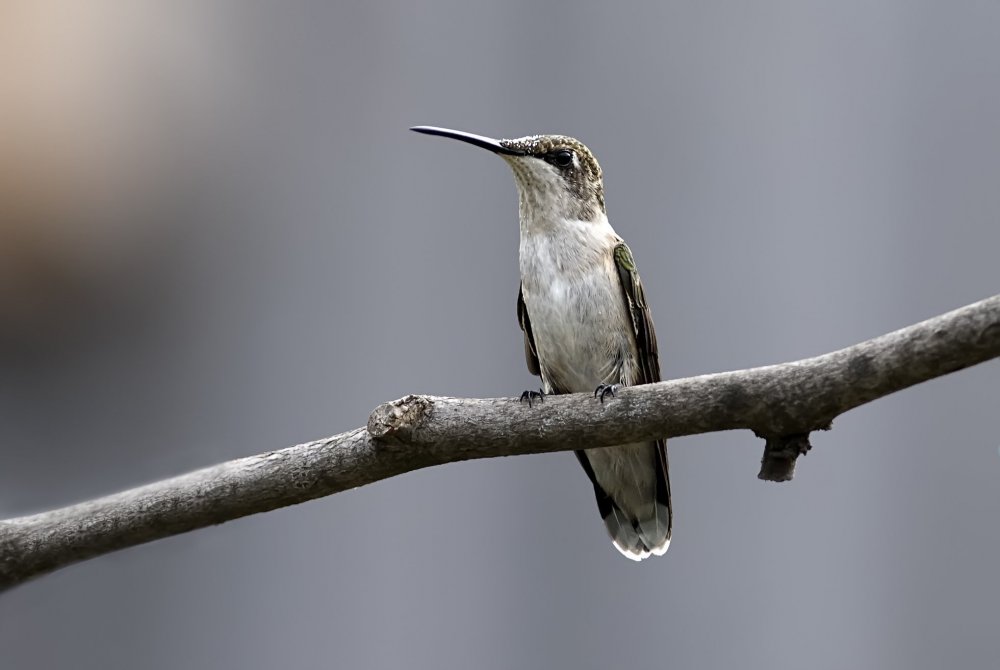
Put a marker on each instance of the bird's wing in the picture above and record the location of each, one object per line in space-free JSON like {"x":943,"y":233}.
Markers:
{"x":530,"y":353}
{"x":642,"y":320}
{"x":647,"y":373}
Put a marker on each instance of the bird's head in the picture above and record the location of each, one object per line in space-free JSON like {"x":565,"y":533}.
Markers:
{"x":557,"y":177}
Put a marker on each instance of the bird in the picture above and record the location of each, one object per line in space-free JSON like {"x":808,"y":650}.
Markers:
{"x":586,"y":322}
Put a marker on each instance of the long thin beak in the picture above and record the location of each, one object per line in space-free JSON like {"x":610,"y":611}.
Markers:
{"x":478,"y":140}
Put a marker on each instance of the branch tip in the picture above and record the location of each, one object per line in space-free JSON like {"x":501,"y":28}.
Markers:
{"x":780,"y":454}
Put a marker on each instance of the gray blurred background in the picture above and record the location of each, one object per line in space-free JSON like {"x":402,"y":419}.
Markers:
{"x":217,"y":238}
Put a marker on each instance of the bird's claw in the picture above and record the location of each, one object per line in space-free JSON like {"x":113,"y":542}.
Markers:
{"x":538,"y":395}
{"x":605,"y":390}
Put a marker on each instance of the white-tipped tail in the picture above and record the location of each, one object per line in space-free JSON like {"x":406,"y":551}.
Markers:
{"x":633,"y":496}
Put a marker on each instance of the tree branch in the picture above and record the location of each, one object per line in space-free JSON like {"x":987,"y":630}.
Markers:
{"x":780,"y":403}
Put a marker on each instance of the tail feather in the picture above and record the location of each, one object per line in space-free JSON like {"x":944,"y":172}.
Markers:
{"x":637,"y":538}
{"x":627,"y":536}
{"x":632,"y":488}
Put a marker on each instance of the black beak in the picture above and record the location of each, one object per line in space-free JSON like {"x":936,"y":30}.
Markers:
{"x":478,"y":140}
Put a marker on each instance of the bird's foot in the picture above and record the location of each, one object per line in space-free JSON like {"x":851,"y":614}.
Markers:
{"x":605,"y":390}
{"x":538,"y":395}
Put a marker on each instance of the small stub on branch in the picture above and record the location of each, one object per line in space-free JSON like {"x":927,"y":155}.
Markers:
{"x":395,"y":421}
{"x":780,"y":453}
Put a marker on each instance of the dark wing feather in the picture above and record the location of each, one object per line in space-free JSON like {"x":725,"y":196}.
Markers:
{"x":642,"y":320}
{"x":649,"y":358}
{"x":530,"y":353}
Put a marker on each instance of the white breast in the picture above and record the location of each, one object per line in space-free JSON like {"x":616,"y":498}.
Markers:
{"x":574,"y":299}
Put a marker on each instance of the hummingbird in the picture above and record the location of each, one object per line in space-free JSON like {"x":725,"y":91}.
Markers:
{"x":587,"y":326}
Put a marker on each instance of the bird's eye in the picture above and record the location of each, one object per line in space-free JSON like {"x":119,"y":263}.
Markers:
{"x":563,"y":158}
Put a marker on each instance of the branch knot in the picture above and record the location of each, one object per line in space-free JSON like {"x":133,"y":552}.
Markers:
{"x":396,"y":421}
